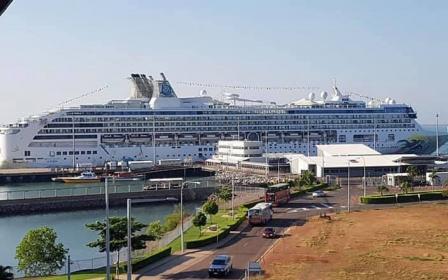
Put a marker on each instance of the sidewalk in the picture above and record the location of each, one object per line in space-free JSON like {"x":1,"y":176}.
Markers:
{"x":182,"y":261}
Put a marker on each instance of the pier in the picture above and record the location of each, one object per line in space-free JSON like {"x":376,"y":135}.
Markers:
{"x":45,"y":174}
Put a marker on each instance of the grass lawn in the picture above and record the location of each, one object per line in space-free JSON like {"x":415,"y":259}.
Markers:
{"x":79,"y":275}
{"x":223,"y":219}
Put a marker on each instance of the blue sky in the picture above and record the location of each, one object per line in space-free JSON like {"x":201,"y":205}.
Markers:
{"x":52,"y":50}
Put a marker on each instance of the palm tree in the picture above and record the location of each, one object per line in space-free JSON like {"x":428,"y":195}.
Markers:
{"x":382,"y":188}
{"x":5,"y":273}
{"x":434,"y":178}
{"x":405,"y":186}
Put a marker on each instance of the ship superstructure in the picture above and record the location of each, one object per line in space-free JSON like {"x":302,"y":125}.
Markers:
{"x":154,"y":124}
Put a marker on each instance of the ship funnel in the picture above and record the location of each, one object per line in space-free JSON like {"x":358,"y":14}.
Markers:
{"x":141,"y":87}
{"x":163,"y":76}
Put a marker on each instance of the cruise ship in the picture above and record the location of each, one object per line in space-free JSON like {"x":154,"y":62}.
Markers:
{"x":154,"y":124}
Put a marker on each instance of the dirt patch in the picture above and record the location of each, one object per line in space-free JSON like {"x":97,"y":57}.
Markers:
{"x":403,"y":243}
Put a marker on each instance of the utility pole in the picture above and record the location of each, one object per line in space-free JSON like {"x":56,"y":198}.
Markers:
{"x":106,"y":193}
{"x":129,"y":268}
{"x":348,"y":186}
{"x":437,"y":134}
{"x":68,"y":268}
{"x":233,"y":195}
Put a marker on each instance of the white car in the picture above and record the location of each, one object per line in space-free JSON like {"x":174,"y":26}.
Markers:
{"x":221,"y":265}
{"x":319,"y":193}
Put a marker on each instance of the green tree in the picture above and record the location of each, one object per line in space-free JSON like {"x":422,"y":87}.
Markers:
{"x":39,"y":254}
{"x":381,"y":188}
{"x":434,"y":178}
{"x":199,"y":221}
{"x":118,"y":229}
{"x":413,"y":172}
{"x":155,"y":229}
{"x":405,"y":186}
{"x":307,"y":178}
{"x":5,"y":273}
{"x":210,"y":208}
{"x":224,"y":193}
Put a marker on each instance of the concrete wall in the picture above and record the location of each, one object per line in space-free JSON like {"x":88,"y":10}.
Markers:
{"x":83,"y":202}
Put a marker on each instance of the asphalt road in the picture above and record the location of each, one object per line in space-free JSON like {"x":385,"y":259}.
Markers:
{"x":249,"y":245}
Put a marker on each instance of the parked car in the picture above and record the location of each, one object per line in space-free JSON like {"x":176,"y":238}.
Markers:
{"x":269,"y":233}
{"x":220,"y":266}
{"x":319,"y":193}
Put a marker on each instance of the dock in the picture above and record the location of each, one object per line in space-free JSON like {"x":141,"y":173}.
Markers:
{"x":24,"y":175}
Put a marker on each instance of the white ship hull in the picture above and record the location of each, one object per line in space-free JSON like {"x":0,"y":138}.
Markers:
{"x":156,"y":125}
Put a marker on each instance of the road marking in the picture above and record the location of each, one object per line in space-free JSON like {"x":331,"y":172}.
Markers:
{"x":343,"y":206}
{"x":305,"y":209}
{"x":315,"y":207}
{"x":326,"y":205}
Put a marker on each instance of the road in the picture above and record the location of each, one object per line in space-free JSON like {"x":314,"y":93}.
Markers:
{"x":249,"y":245}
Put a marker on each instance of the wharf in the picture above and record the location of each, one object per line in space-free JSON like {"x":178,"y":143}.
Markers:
{"x":45,"y":174}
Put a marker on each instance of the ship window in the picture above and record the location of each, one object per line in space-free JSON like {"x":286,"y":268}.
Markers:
{"x":64,"y":153}
{"x":83,"y":152}
{"x":76,"y":152}
{"x":89,"y":152}
{"x":58,"y":153}
{"x":342,"y":138}
{"x":70,"y":153}
{"x":27,"y":153}
{"x":94,"y":152}
{"x":391,"y":137}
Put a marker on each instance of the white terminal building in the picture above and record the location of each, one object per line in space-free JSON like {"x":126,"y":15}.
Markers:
{"x":247,"y":155}
{"x":362,"y":160}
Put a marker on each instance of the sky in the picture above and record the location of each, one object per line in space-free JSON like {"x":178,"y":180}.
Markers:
{"x":52,"y":51}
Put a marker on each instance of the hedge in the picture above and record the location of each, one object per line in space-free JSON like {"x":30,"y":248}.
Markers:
{"x":409,"y":197}
{"x":309,"y":189}
{"x":196,"y":243}
{"x":150,"y":259}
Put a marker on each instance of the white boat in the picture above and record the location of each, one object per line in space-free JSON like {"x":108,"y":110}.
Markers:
{"x":85,"y":177}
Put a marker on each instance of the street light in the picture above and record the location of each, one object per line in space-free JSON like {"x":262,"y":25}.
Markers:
{"x":182,"y":212}
{"x":106,"y":193}
{"x":348,"y":182}
{"x":437,"y":134}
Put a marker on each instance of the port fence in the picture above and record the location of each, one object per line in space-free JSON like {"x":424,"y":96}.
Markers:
{"x":114,"y":187}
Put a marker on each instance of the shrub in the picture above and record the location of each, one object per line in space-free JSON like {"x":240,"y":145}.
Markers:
{"x":150,"y":259}
{"x":445,"y":193}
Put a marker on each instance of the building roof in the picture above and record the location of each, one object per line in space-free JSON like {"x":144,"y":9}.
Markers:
{"x":356,"y":161}
{"x":346,"y":150}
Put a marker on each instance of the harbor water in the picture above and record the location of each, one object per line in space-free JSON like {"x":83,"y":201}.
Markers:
{"x":70,"y":226}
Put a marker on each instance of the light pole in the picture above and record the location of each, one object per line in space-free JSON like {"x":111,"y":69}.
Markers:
{"x":182,"y":212}
{"x":348,"y":182}
{"x":364,"y":183}
{"x":348,"y":186}
{"x":129,"y":267}
{"x":106,"y":193}
{"x":437,"y":134}
{"x":233,"y":195}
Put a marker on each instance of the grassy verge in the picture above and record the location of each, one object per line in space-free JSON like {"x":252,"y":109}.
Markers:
{"x":81,"y":275}
{"x":299,"y":191}
{"x":224,"y":221}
